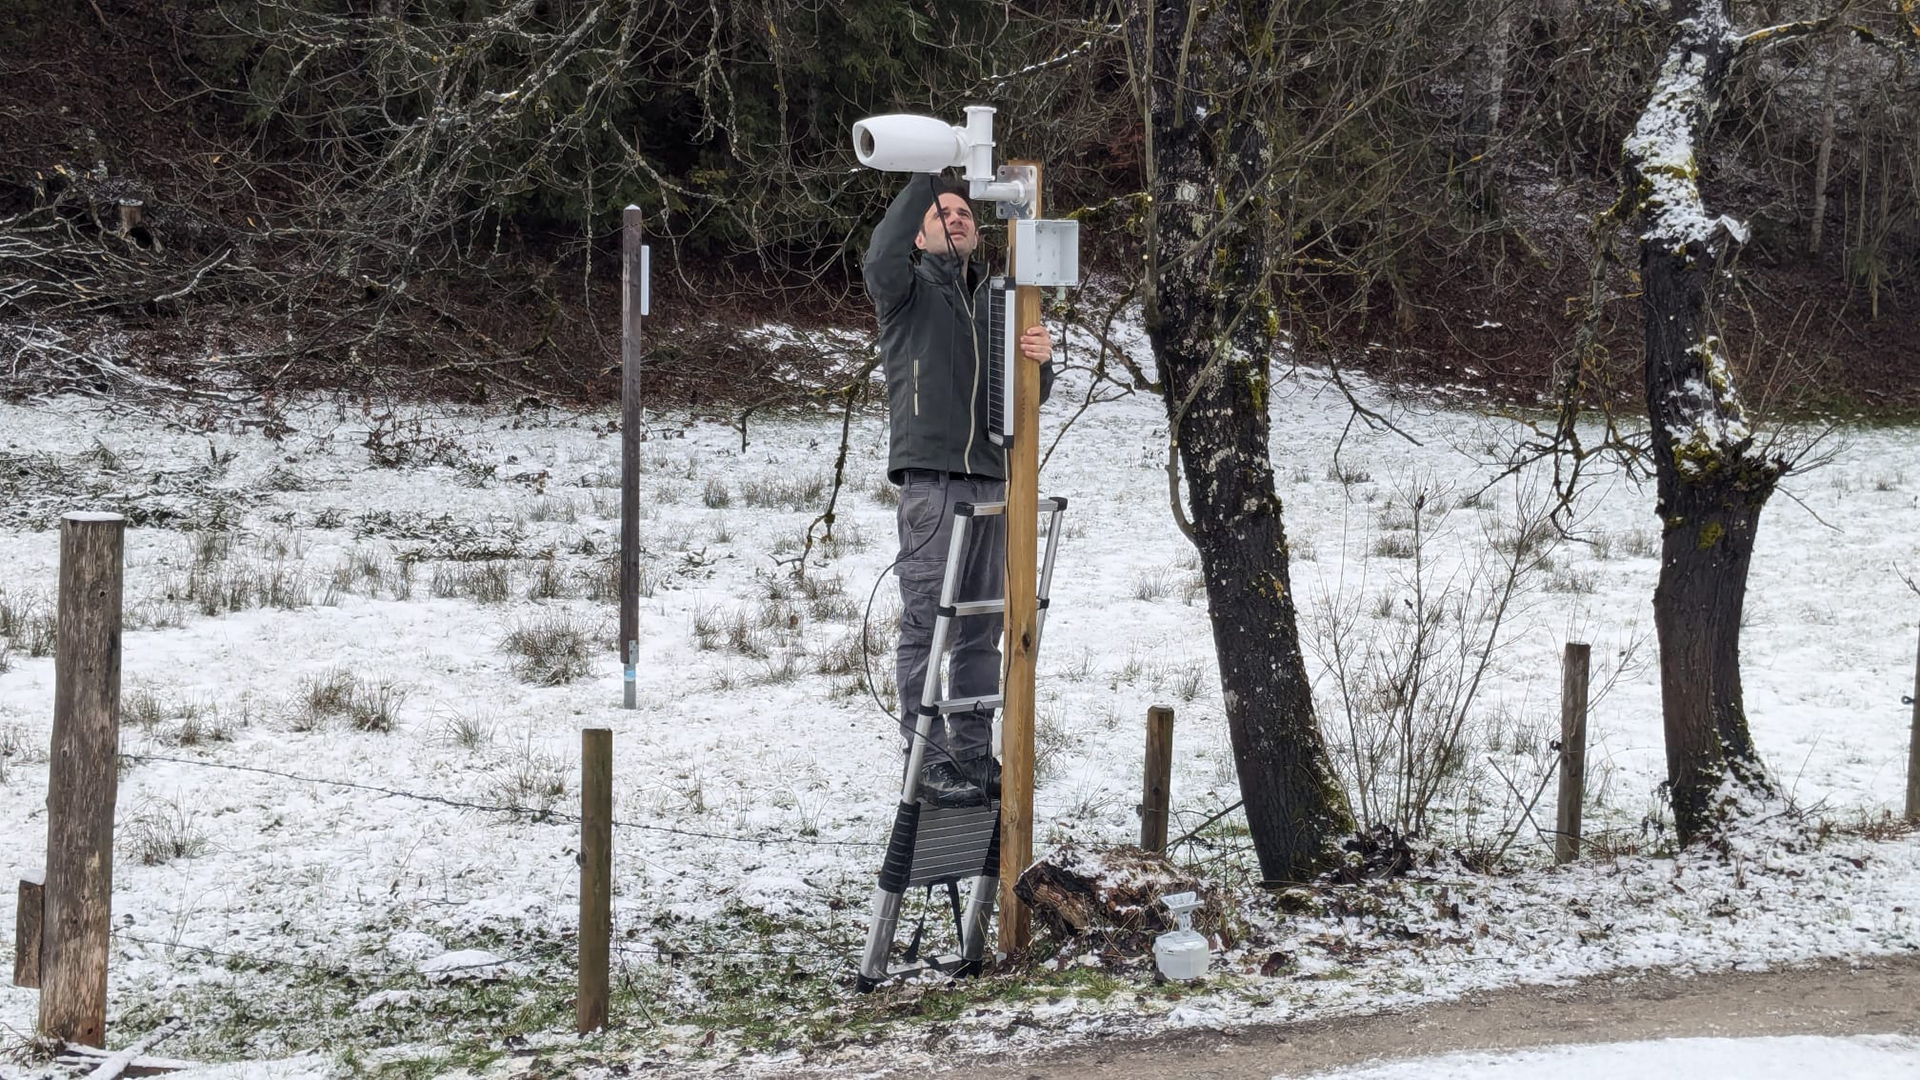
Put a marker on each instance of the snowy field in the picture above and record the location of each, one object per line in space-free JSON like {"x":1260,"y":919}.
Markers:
{"x":323,"y":628}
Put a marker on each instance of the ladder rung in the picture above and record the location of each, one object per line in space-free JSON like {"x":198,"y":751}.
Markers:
{"x":973,"y":607}
{"x":942,"y":962}
{"x":967,"y":704}
{"x":1053,"y":505}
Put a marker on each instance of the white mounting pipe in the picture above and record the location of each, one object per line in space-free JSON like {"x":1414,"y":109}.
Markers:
{"x":982,"y":182}
{"x":978,"y":135}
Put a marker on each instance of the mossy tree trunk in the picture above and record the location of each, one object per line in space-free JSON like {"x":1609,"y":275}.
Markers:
{"x":1709,"y":505}
{"x":1712,"y":481}
{"x":1213,"y":242}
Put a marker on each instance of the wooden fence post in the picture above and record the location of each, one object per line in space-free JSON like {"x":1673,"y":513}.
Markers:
{"x":1573,"y":751}
{"x":27,"y":936}
{"x":1913,"y":750}
{"x":596,"y":876}
{"x":82,"y":780}
{"x":1156,"y":793}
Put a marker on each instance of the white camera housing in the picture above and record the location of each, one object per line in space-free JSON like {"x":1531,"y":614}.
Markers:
{"x":905,"y":142}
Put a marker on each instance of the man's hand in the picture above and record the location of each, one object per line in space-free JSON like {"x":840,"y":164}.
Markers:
{"x":1036,"y":344}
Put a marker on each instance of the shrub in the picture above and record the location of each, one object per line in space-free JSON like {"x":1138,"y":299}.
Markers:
{"x":161,"y":831}
{"x":549,"y":650}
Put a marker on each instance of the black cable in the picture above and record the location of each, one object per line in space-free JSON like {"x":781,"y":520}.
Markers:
{"x":965,"y":296}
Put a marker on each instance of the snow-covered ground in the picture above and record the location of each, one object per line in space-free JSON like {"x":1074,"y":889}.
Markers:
{"x":283,"y":915}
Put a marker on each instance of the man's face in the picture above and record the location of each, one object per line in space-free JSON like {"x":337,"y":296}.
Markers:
{"x":949,"y":229}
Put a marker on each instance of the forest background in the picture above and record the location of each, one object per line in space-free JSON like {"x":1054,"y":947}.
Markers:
{"x":263,"y":196}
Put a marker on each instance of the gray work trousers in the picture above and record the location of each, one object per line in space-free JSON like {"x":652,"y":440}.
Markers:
{"x":927,"y":499}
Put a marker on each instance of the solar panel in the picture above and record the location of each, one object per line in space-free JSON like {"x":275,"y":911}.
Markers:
{"x":1003,"y":346}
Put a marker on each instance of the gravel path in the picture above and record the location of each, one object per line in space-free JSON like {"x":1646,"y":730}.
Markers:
{"x":1881,"y":996}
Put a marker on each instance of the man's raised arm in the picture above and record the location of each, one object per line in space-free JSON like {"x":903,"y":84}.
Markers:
{"x":889,"y":262}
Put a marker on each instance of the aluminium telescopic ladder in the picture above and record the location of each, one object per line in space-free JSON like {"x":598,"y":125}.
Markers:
{"x":932,"y":845}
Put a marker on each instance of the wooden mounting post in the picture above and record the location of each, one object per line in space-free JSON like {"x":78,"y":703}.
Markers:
{"x":1157,"y":791}
{"x":1023,"y":602}
{"x":596,"y":876}
{"x":1573,"y":751}
{"x":28,"y":917}
{"x":632,"y":282}
{"x":1913,"y":750}
{"x":81,"y":781}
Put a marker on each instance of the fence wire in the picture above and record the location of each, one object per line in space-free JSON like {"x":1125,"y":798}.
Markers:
{"x":538,"y":814}
{"x":825,"y":955}
{"x":653,"y":953}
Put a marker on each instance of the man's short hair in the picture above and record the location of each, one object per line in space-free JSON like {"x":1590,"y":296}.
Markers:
{"x":947,"y":185}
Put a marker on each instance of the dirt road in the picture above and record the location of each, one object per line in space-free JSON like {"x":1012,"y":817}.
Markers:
{"x":1877,"y":997}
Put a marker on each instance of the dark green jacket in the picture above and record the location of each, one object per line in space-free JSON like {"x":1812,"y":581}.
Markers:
{"x":936,"y":374}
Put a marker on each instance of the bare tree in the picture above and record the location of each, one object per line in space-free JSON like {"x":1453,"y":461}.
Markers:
{"x":1200,"y":75}
{"x":1713,"y":475}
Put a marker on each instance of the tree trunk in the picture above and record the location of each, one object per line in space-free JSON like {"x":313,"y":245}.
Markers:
{"x":1711,"y":483}
{"x":1823,"y":161}
{"x":1484,"y":87}
{"x":1710,"y":509}
{"x":1212,"y":239}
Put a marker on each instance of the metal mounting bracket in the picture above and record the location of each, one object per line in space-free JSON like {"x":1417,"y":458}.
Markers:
{"x":1012,"y":188}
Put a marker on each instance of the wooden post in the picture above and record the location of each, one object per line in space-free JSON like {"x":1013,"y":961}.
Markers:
{"x":27,"y":921}
{"x":1573,"y":751}
{"x":1157,"y":792}
{"x":1913,"y":750}
{"x":81,"y":781}
{"x":596,"y":875}
{"x":1023,"y":602}
{"x":632,"y":282}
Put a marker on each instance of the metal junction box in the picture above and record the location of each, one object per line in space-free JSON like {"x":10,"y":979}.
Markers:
{"x":1046,"y":252}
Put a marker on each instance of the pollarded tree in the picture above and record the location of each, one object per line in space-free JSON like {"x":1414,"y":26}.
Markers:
{"x":1713,"y":476}
{"x":1202,"y":77}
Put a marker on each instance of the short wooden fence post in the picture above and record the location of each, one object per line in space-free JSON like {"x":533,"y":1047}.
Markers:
{"x":596,"y":876}
{"x":27,"y":935}
{"x":1156,"y":794}
{"x":82,"y":780}
{"x":1573,"y":751}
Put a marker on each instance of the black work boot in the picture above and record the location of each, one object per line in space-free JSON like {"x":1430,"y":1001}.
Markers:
{"x":944,"y":784}
{"x":985,"y":772}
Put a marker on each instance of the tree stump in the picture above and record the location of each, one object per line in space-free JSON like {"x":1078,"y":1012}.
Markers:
{"x":1113,"y":893}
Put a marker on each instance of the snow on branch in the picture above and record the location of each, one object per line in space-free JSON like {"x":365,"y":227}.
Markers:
{"x":999,"y":81}
{"x":1701,"y":413}
{"x":1661,"y":148}
{"x":1784,"y":32}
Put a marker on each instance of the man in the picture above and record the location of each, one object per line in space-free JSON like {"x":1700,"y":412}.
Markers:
{"x":930,"y":294}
